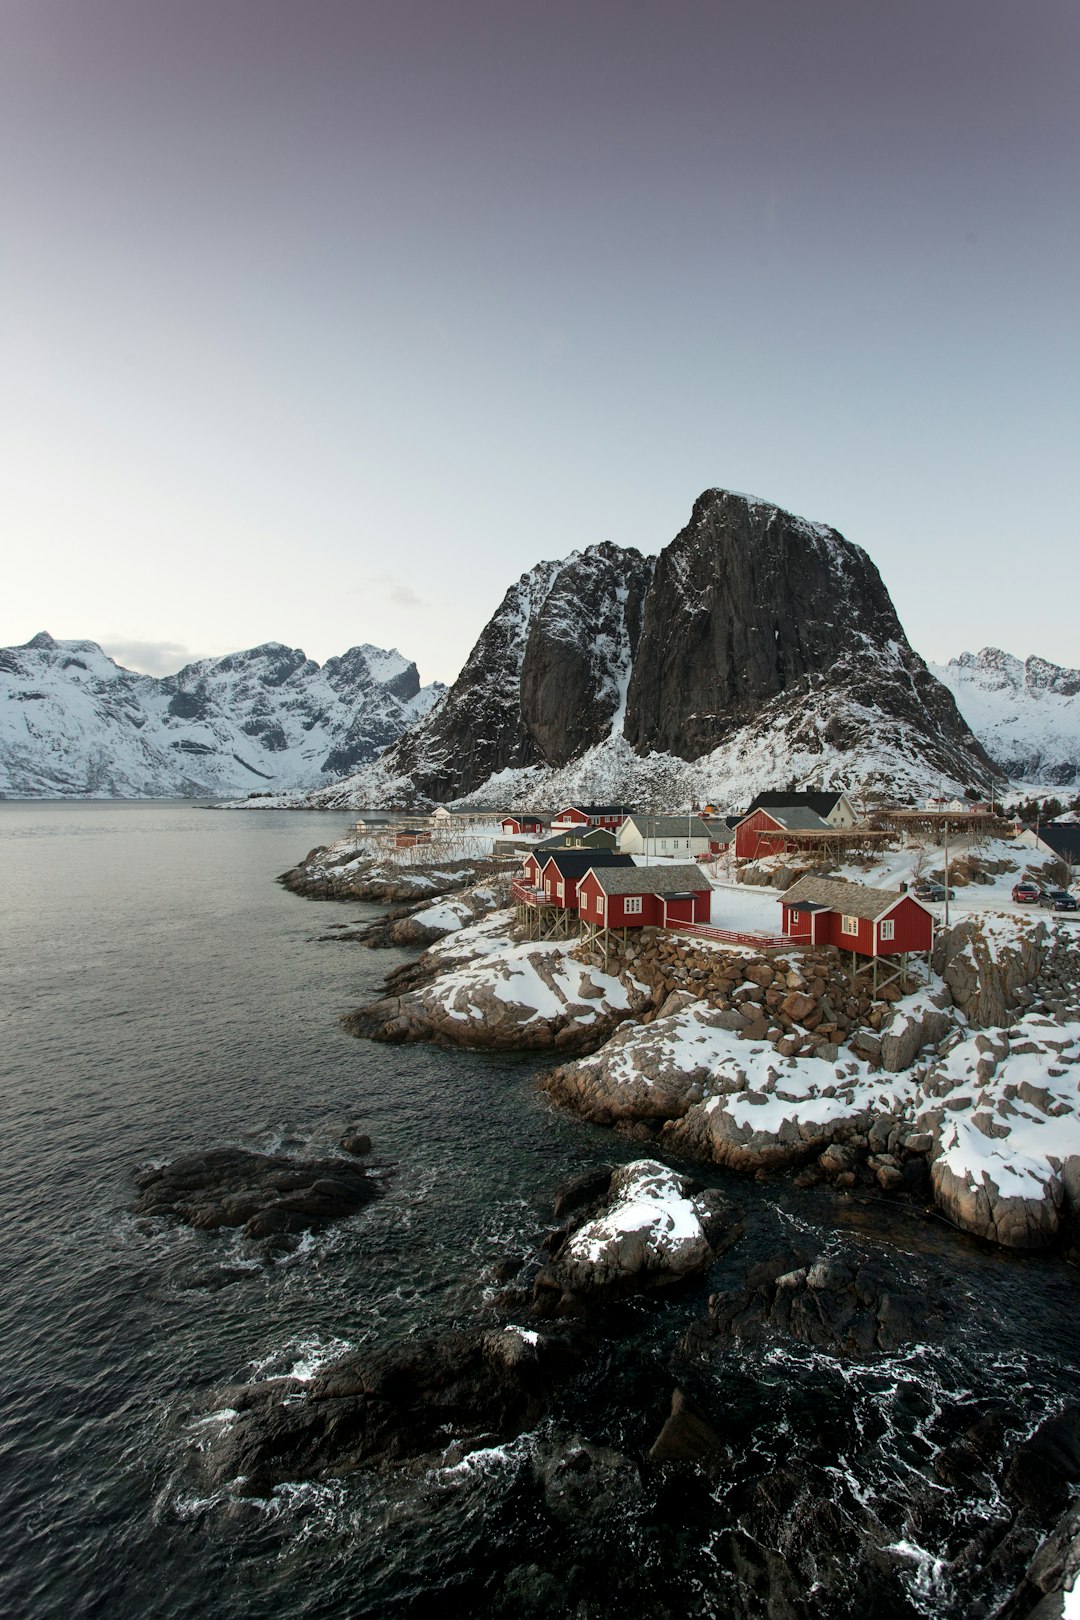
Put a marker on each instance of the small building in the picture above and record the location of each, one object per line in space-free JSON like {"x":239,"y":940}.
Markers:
{"x":665,"y":835}
{"x":776,"y":831}
{"x":522,"y":823}
{"x":721,"y":832}
{"x":854,"y":917}
{"x":583,"y":816}
{"x":440,"y":815}
{"x":408,"y":837}
{"x":833,"y":806}
{"x":643,"y":896}
{"x":591,"y":838}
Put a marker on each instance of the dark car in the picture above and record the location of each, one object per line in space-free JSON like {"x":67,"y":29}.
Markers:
{"x":1025,"y":893}
{"x":1059,"y":900}
{"x":932,"y":891}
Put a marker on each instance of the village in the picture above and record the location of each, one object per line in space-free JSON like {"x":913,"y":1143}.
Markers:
{"x":785,"y":872}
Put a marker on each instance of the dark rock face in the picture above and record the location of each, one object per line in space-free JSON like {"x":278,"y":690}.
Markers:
{"x":844,"y":1303}
{"x":751,"y":616}
{"x":543,"y":682}
{"x":750,"y":604}
{"x":388,"y":1405}
{"x":265,"y":1193}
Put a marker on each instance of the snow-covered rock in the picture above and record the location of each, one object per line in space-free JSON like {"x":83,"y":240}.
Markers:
{"x":1025,"y":712}
{"x":75,"y":724}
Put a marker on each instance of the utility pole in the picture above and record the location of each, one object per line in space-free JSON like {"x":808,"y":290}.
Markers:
{"x":946,"y":919}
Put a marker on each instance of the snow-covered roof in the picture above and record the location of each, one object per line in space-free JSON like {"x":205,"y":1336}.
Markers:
{"x":679,"y":878}
{"x":833,"y":894}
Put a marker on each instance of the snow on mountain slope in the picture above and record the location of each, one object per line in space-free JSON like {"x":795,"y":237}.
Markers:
{"x":1026,"y":713}
{"x":75,"y":724}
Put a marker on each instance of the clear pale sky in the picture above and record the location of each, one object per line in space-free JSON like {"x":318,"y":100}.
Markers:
{"x":323,"y":321}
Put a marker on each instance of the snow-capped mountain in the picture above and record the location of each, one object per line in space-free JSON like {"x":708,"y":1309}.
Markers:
{"x":758,"y":649}
{"x":1025,"y":712}
{"x":73,"y":723}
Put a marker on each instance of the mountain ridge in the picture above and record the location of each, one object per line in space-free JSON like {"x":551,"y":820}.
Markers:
{"x":76,"y":724}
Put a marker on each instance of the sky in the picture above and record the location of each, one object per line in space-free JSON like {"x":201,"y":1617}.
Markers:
{"x":322,"y":322}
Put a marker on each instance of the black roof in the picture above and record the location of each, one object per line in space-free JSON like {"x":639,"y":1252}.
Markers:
{"x":575,"y":863}
{"x":523,"y":815}
{"x":1063,"y":837}
{"x":602,"y":809}
{"x":820,"y":803}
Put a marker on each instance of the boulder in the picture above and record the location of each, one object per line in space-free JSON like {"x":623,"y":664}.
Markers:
{"x":264,"y":1193}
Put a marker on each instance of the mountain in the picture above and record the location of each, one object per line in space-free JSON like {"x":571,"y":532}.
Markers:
{"x":1025,"y":712}
{"x":73,"y":723}
{"x":757,"y":650}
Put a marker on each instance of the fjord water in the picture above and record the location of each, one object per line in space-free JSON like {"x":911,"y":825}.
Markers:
{"x":160,"y":993}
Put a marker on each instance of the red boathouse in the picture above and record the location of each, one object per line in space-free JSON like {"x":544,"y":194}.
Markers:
{"x":853,"y":917}
{"x":643,"y":896}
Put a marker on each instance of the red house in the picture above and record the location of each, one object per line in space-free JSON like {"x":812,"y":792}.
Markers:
{"x":774,"y":831}
{"x":522,"y":823}
{"x":580,"y":817}
{"x":643,"y":896}
{"x":562,"y":870}
{"x":853,"y":917}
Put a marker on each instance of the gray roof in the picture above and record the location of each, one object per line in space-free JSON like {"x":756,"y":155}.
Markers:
{"x":852,"y":899}
{"x":720,"y":826}
{"x":795,"y":818}
{"x":669,"y":826}
{"x":674,"y":879}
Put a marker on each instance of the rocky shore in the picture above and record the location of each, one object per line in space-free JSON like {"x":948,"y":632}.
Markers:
{"x":961,"y":1090}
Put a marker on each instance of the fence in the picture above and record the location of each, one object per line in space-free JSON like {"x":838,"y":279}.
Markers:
{"x":725,"y":936}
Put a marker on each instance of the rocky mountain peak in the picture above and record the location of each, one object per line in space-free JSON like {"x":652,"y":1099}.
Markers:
{"x":757,"y":643}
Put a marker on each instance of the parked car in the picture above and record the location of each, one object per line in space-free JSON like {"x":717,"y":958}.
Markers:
{"x":1025,"y":893}
{"x":1059,"y":900}
{"x":926,"y":890}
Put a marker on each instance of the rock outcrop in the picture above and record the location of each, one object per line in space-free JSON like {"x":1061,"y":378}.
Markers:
{"x":266,"y":1194}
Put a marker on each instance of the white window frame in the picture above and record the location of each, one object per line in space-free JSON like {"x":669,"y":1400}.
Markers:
{"x":849,"y":925}
{"x":560,"y":890}
{"x":887,"y":929}
{"x":632,"y":905}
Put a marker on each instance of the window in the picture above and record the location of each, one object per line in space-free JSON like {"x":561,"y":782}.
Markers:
{"x":560,"y":891}
{"x":632,"y":905}
{"x":887,"y":929}
{"x":849,"y":925}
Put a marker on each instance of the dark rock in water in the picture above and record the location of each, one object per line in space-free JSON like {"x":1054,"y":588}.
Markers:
{"x":586,"y":1485}
{"x":388,"y":1405}
{"x":844,"y":1302}
{"x":356,"y":1142}
{"x":265,"y":1193}
{"x":686,"y":1436}
{"x":1047,"y":1464}
{"x":973,"y":1454}
{"x":1054,"y":1570}
{"x":581,"y":1191}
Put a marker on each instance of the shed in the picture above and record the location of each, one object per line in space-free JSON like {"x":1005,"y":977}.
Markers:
{"x":644,"y":896}
{"x":521,"y":822}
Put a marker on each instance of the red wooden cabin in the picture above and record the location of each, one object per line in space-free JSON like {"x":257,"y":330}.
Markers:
{"x":410,"y":836}
{"x":774,"y":831}
{"x":854,"y":917}
{"x":583,"y":816}
{"x":562,"y":870}
{"x":643,"y":896}
{"x":523,"y":823}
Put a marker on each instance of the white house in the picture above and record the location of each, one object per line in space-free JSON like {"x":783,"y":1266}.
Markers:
{"x":682,"y":836}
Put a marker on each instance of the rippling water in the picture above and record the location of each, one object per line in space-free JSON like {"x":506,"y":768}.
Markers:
{"x":160,"y":993}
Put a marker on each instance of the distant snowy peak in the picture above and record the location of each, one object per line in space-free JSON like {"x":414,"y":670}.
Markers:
{"x":756,"y":648}
{"x":1025,"y":712}
{"x":75,"y":723}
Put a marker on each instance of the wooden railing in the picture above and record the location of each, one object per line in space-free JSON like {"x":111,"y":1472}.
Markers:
{"x":726,"y":936}
{"x":525,"y":895}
